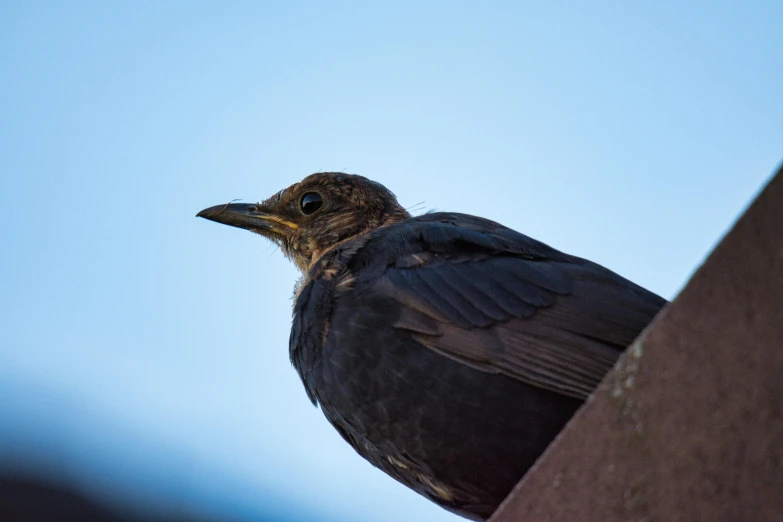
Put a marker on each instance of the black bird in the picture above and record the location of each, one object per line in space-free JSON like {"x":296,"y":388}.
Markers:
{"x":447,"y":349}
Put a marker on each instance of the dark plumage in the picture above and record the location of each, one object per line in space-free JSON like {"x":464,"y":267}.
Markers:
{"x":447,"y":349}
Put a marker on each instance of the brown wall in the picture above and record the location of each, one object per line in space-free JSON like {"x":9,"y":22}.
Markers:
{"x":689,"y":425}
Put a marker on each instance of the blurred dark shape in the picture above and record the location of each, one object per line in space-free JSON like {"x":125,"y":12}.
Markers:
{"x":29,"y":499}
{"x":60,"y":457}
{"x":447,"y":350}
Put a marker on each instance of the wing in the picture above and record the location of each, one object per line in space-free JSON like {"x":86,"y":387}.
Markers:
{"x":501,"y":302}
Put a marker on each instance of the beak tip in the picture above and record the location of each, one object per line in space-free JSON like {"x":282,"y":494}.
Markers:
{"x":209,"y":213}
{"x":240,"y":215}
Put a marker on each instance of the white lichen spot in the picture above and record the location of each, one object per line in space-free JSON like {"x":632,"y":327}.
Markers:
{"x":637,"y":349}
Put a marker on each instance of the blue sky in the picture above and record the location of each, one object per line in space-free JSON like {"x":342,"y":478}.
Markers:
{"x":144,"y":351}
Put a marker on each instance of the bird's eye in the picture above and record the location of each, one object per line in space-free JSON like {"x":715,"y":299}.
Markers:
{"x":311,"y":202}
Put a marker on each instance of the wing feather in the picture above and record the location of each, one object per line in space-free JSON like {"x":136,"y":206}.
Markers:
{"x":503,"y":303}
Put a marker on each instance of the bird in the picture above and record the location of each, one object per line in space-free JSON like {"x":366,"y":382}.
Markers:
{"x":447,"y":349}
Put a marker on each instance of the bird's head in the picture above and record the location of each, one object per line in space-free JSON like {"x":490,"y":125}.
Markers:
{"x":309,"y":217}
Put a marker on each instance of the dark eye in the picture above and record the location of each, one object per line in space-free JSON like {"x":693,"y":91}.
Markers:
{"x":311,"y":202}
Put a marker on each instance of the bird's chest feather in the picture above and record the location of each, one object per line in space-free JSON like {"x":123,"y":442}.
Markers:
{"x":436,"y":425}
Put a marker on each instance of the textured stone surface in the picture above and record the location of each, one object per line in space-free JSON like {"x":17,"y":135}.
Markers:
{"x":689,"y":424}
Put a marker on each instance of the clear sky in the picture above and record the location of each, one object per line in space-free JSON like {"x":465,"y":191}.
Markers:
{"x":146,"y":351}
